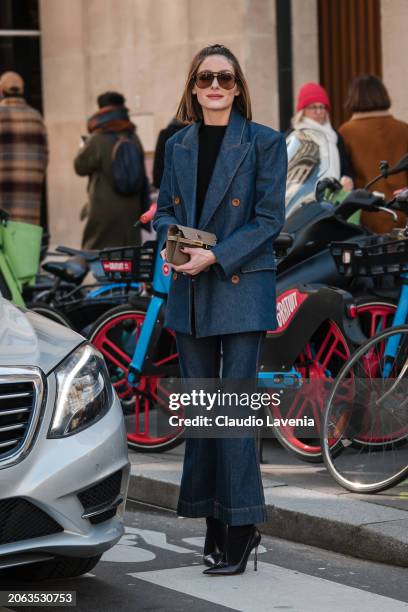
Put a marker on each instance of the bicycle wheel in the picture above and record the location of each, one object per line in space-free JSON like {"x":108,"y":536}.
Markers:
{"x":145,"y":408}
{"x":374,"y":314}
{"x":318,"y":364}
{"x":369,"y":402}
{"x":51,"y":313}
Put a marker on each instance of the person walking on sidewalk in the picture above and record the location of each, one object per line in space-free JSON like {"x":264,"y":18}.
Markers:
{"x":226,"y":175}
{"x":110,"y":216}
{"x":370,"y":135}
{"x":23,"y":152}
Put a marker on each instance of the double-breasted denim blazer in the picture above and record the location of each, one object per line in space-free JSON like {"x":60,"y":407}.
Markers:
{"x":245,"y":208}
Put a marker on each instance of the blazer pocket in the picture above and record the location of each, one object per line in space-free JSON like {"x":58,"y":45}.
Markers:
{"x":265,"y":261}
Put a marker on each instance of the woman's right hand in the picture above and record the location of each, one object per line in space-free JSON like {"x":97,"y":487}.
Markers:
{"x":163,"y":254}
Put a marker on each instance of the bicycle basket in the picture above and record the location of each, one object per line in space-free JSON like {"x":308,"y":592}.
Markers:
{"x":371,"y":256}
{"x":130,"y":263}
{"x":22,"y":246}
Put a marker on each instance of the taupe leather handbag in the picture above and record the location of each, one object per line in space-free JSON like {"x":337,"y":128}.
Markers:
{"x":181,"y":236}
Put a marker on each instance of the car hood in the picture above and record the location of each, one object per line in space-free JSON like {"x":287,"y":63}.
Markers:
{"x":28,"y":339}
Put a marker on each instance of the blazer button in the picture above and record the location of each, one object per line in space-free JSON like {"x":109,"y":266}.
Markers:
{"x":236,"y":202}
{"x":176,"y":200}
{"x":174,"y":275}
{"x":235,"y":279}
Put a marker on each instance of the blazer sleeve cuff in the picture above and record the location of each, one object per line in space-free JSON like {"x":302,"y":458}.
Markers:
{"x":225,"y":265}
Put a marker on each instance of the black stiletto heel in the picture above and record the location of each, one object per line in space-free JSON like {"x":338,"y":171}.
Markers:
{"x":214,"y":542}
{"x":226,"y":568}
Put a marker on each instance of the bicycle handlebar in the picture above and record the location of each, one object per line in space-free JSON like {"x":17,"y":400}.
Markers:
{"x":386,"y":171}
{"x":147,"y":216}
{"x":361,"y":199}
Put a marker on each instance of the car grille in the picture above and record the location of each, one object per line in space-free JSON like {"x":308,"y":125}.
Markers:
{"x":100,"y":496}
{"x":16,"y":406}
{"x":21,"y":391}
{"x":17,"y":402}
{"x":22,"y":520}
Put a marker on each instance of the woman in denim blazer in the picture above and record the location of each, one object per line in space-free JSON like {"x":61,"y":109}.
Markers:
{"x":223,"y":299}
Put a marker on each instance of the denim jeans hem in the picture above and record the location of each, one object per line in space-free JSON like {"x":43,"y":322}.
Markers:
{"x":229,"y":516}
{"x":240,"y":516}
{"x":198,"y":509}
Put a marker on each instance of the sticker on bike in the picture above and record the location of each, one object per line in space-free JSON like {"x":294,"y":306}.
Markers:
{"x":286,"y":306}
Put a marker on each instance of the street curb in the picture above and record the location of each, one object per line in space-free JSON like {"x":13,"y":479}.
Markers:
{"x":154,"y":492}
{"x":336,"y":536}
{"x":364,"y":541}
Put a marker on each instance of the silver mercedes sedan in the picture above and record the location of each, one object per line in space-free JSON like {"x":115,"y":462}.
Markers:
{"x":64,"y":468}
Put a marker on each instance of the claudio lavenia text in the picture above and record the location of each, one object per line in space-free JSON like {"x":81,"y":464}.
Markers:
{"x":249,"y":421}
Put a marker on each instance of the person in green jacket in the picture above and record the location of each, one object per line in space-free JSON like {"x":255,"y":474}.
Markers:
{"x":110,"y":217}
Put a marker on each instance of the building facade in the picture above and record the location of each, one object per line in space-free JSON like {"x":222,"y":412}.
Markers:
{"x":143,"y":48}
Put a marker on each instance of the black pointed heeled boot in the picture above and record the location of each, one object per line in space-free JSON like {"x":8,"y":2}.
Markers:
{"x":214,"y":541}
{"x":240,"y":542}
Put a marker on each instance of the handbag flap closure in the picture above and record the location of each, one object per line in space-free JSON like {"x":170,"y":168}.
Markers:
{"x":190,"y":233}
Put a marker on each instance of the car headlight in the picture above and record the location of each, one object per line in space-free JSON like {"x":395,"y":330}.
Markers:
{"x":84,"y":392}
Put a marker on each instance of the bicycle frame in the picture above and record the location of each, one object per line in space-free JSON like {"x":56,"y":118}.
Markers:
{"x":400,"y":318}
{"x":102,"y":289}
{"x":161,"y":285}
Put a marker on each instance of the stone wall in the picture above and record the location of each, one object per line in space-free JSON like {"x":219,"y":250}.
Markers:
{"x":394,"y":24}
{"x":305,"y":43}
{"x":143,"y":49}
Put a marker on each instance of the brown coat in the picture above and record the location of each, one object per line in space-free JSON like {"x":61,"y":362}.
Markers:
{"x":110,"y":216}
{"x":370,"y":138}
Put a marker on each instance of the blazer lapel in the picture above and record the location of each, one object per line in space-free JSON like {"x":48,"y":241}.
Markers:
{"x":185,"y":157}
{"x":230,"y":157}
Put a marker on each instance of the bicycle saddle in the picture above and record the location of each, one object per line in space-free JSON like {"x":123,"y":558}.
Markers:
{"x":89,"y":256}
{"x":73,"y":271}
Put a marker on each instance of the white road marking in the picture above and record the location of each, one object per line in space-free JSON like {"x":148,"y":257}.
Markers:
{"x":157,"y":539}
{"x":125,"y":551}
{"x":271,"y":587}
{"x":198,"y":541}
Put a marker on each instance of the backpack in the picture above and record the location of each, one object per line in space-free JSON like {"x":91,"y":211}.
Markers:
{"x":127,"y":166}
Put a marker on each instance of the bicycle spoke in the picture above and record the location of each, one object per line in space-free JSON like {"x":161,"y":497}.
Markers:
{"x":376,"y":456}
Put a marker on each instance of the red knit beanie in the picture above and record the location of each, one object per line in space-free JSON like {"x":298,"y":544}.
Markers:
{"x":310,"y":93}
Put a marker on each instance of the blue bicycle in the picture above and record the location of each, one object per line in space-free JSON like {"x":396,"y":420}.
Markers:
{"x":366,"y":416}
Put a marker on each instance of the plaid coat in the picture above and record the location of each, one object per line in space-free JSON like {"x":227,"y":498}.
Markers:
{"x":23,"y":159}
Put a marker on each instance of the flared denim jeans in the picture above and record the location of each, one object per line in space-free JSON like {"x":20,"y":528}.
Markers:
{"x":221,"y":476}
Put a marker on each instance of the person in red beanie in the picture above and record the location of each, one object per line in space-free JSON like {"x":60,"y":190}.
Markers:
{"x":311,"y":125}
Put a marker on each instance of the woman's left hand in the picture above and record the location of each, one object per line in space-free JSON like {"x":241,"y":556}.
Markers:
{"x":200,"y":259}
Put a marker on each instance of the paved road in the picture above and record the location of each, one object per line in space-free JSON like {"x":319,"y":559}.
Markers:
{"x":157,"y":567}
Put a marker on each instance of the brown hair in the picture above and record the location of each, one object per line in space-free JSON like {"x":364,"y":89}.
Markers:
{"x":190,"y":109}
{"x":367,"y":93}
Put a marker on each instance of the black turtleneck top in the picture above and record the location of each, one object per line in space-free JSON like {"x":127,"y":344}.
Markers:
{"x":209,"y":143}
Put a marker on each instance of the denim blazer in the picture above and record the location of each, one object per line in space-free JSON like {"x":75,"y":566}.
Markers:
{"x":245,"y":208}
